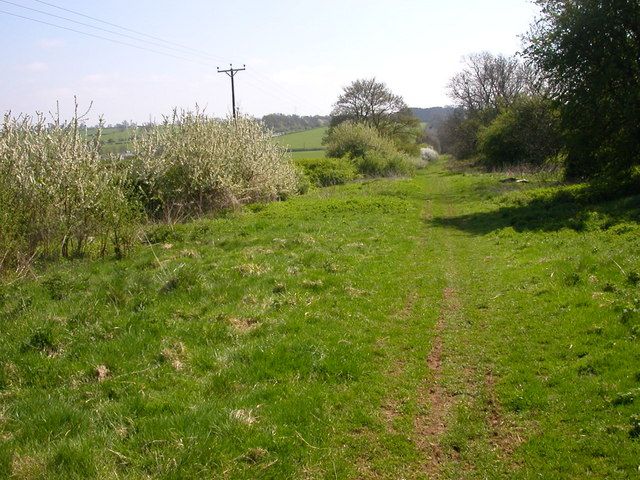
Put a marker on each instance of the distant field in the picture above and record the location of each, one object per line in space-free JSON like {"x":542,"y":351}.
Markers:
{"x":307,"y":144}
{"x":114,"y":140}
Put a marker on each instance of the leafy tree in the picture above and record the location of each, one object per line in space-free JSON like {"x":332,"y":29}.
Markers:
{"x":589,"y":52}
{"x":528,"y":132}
{"x":371,"y":103}
{"x":367,"y":101}
{"x":486,"y":86}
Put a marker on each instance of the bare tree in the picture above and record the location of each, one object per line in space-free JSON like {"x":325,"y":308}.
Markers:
{"x":491,"y":82}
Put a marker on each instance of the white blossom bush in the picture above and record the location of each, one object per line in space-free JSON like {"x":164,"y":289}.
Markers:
{"x":58,"y":194}
{"x":193,"y":164}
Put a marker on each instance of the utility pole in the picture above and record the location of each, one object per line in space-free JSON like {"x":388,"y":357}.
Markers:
{"x":232,"y":72}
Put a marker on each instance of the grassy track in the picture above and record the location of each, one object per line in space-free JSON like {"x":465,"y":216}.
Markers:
{"x":447,"y":326}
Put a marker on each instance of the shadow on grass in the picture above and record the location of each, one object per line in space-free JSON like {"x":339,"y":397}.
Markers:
{"x":576,"y":209}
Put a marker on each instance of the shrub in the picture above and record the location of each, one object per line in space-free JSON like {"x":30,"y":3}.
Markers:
{"x":194,"y":164}
{"x":323,"y":172}
{"x":58,"y":194}
{"x":528,"y":132}
{"x":355,"y":140}
{"x":374,"y":164}
{"x":371,"y":154}
{"x":459,"y":134}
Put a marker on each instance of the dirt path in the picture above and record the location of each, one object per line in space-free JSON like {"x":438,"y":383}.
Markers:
{"x":430,"y":427}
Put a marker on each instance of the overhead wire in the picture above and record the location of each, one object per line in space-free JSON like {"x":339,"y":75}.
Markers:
{"x":104,"y":38}
{"x":180,"y":50}
{"x":75,"y":12}
{"x":282,"y":94}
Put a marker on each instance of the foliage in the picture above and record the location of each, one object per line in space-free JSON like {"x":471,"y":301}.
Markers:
{"x":194,"y":164}
{"x":376,"y":164}
{"x":527,"y":132}
{"x":372,"y":154}
{"x":354,"y":140}
{"x":589,"y":52}
{"x":61,"y":196}
{"x":373,"y":104}
{"x":431,"y":138}
{"x":366,"y":101}
{"x":58,"y":195}
{"x":324,"y":172}
{"x":459,"y":134}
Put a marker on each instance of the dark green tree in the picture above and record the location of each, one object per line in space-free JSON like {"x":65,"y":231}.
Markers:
{"x":528,"y":132}
{"x":589,"y":53}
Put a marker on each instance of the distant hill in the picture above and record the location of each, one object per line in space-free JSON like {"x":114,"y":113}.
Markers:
{"x":434,"y":116}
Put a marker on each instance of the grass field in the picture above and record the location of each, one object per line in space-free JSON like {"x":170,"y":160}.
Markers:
{"x":445,"y":326}
{"x":307,"y":144}
{"x":114,"y":140}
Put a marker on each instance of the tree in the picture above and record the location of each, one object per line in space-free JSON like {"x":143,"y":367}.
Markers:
{"x":367,"y":101}
{"x":488,"y":83}
{"x":528,"y":132}
{"x":589,"y":53}
{"x":371,"y":103}
{"x":459,"y":134}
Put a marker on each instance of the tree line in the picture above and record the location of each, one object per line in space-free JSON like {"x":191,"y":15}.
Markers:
{"x":572,"y":96}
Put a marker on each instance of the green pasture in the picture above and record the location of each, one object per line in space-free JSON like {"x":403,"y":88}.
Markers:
{"x":445,"y":326}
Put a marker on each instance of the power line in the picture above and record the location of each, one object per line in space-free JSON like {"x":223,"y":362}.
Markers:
{"x":296,"y":99}
{"x":105,"y":38}
{"x":93,"y":26}
{"x":127,"y":29}
{"x":293,"y":98}
{"x":284,"y":94}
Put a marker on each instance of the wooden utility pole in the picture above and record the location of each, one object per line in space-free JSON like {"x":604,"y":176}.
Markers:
{"x":232,"y":73}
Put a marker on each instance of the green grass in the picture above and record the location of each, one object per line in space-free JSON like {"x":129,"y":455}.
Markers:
{"x":114,"y":140}
{"x":290,"y":340}
{"x":307,"y":144}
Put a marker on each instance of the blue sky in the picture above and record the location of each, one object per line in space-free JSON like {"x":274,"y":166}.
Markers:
{"x":299,"y":54}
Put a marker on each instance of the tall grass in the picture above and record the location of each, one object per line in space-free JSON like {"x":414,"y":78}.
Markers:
{"x":61,"y":197}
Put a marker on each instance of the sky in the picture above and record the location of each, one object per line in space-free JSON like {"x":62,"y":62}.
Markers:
{"x":299,"y":54}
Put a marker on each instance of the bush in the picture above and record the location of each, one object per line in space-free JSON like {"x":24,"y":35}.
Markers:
{"x":324,"y":172}
{"x":459,"y":134}
{"x":58,"y":194}
{"x":355,"y":140}
{"x":194,"y":164}
{"x":371,"y":154}
{"x":374,"y":164}
{"x":528,"y":132}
